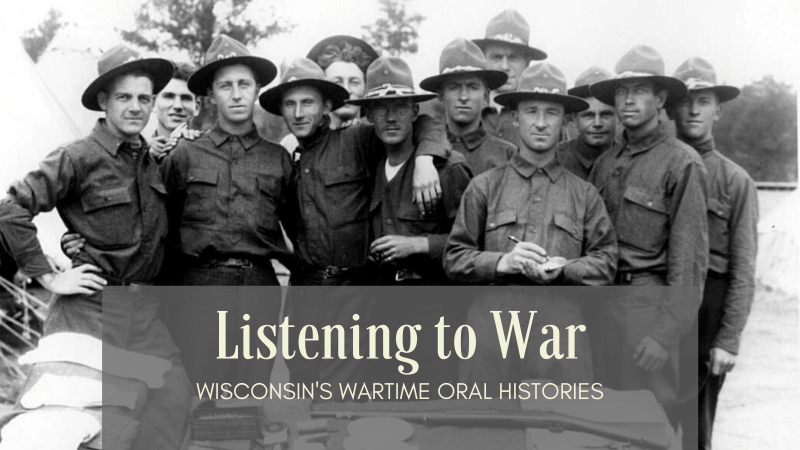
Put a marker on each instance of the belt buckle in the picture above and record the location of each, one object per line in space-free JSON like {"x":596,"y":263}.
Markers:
{"x":627,"y":277}
{"x":400,"y":275}
{"x":332,"y":271}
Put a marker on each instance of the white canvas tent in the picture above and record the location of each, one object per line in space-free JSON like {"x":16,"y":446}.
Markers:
{"x":33,"y":124}
{"x":778,"y":263}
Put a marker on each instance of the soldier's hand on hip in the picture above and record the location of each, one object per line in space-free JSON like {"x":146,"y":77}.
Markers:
{"x":722,"y":361}
{"x":78,"y":280}
{"x":650,"y":355}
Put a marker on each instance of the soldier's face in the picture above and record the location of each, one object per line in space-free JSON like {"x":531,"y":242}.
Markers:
{"x":597,"y":124}
{"x":234,"y":91}
{"x":128,"y":102}
{"x":175,"y":104}
{"x":304,"y":109}
{"x":393,"y":120}
{"x":463,"y":98}
{"x":350,"y":77}
{"x":695,"y":115}
{"x":509,"y":60}
{"x":540,"y":124}
{"x":638,"y":102}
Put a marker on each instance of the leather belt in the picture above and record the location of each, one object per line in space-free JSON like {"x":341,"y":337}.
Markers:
{"x":335,"y":271}
{"x":235,"y":263}
{"x":628,"y":277}
{"x":406,"y":274}
{"x":132,"y":285}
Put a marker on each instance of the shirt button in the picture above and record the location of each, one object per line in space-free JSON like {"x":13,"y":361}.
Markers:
{"x":537,"y":199}
{"x":649,"y":203}
{"x":491,"y":225}
{"x":389,"y":221}
{"x":306,"y":170}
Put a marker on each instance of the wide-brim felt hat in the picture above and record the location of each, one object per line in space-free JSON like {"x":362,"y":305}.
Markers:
{"x":699,"y":75}
{"x":226,"y":51}
{"x":302,"y":72}
{"x":543,"y":81}
{"x":462,"y":57}
{"x":389,"y":78}
{"x":589,"y":77}
{"x":510,"y":28}
{"x":120,"y":60}
{"x":640,"y":63}
{"x":369,"y":54}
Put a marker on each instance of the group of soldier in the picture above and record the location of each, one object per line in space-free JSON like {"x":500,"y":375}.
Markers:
{"x":368,"y":191}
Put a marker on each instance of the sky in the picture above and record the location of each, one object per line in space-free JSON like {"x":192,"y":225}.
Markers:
{"x":744,"y":40}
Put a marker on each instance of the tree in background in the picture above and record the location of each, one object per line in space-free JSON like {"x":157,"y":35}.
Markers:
{"x":758,"y":130}
{"x":395,"y":32}
{"x":190,"y":25}
{"x":37,"y":39}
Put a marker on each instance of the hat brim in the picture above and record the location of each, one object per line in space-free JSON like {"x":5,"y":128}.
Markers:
{"x":724,"y":93}
{"x":320,"y":46}
{"x":494,"y":79}
{"x":263,"y":69}
{"x":271,"y":99}
{"x":531,"y":52}
{"x":416,"y":98}
{"x":571,"y":104}
{"x":160,"y":69}
{"x":580,"y":91}
{"x":604,"y":90}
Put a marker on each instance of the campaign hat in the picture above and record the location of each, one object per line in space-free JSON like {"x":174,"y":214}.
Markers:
{"x":302,"y":72}
{"x":699,"y":75}
{"x":510,"y":28}
{"x":589,"y":77}
{"x":640,"y":63}
{"x":120,"y":60}
{"x":543,"y":81}
{"x":330,"y":49}
{"x":226,"y":51}
{"x":389,"y":77}
{"x":460,"y":57}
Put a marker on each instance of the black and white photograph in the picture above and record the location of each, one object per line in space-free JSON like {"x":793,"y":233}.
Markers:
{"x":399,"y":225}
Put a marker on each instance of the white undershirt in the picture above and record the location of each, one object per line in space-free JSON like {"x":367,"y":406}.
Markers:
{"x":391,"y":170}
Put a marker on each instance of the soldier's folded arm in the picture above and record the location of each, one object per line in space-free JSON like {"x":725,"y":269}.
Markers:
{"x":456,"y":177}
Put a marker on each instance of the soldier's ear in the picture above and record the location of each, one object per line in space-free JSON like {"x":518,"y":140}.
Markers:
{"x":102,"y":100}
{"x":328,"y":106}
{"x":661,"y":96}
{"x":415,"y":110}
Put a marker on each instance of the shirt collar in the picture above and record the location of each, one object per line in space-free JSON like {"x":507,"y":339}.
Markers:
{"x":323,"y":130}
{"x":586,"y":155}
{"x":655,"y":137}
{"x":553,"y":169}
{"x":471,"y":140}
{"x":704,"y":147}
{"x":219,"y":136}
{"x":110,"y":142}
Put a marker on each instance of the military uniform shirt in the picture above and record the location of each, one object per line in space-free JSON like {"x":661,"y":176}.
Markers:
{"x":548,"y":206}
{"x":733,"y":239}
{"x":227,"y":194}
{"x":482,"y":151}
{"x":392,"y":212}
{"x":109,"y":193}
{"x":500,"y":124}
{"x":577,"y":157}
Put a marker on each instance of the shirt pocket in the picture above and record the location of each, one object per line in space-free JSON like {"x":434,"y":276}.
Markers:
{"x":719,"y":217}
{"x":568,"y":241}
{"x":111,"y":218}
{"x":414,"y":225}
{"x":267,"y":202}
{"x":643,"y":219}
{"x":499,"y":226}
{"x":346,"y":196}
{"x":201,"y":196}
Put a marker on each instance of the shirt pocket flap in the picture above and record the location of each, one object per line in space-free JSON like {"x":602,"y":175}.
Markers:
{"x":567,"y":224}
{"x":719,"y":209}
{"x":103,"y":199}
{"x":344,"y":175}
{"x":501,"y":218}
{"x":159,"y":187}
{"x":653,"y":201}
{"x":267,"y":185}
{"x":204,"y":176}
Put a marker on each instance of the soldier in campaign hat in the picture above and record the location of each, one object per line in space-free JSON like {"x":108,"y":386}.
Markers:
{"x":733,"y":240}
{"x":107,"y":188}
{"x":654,"y":188}
{"x":518,"y":225}
{"x":506,"y":46}
{"x":463,"y":84}
{"x":406,"y":245}
{"x":344,"y":59}
{"x":597,"y":126}
{"x":332,"y":183}
{"x":227,"y":192}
